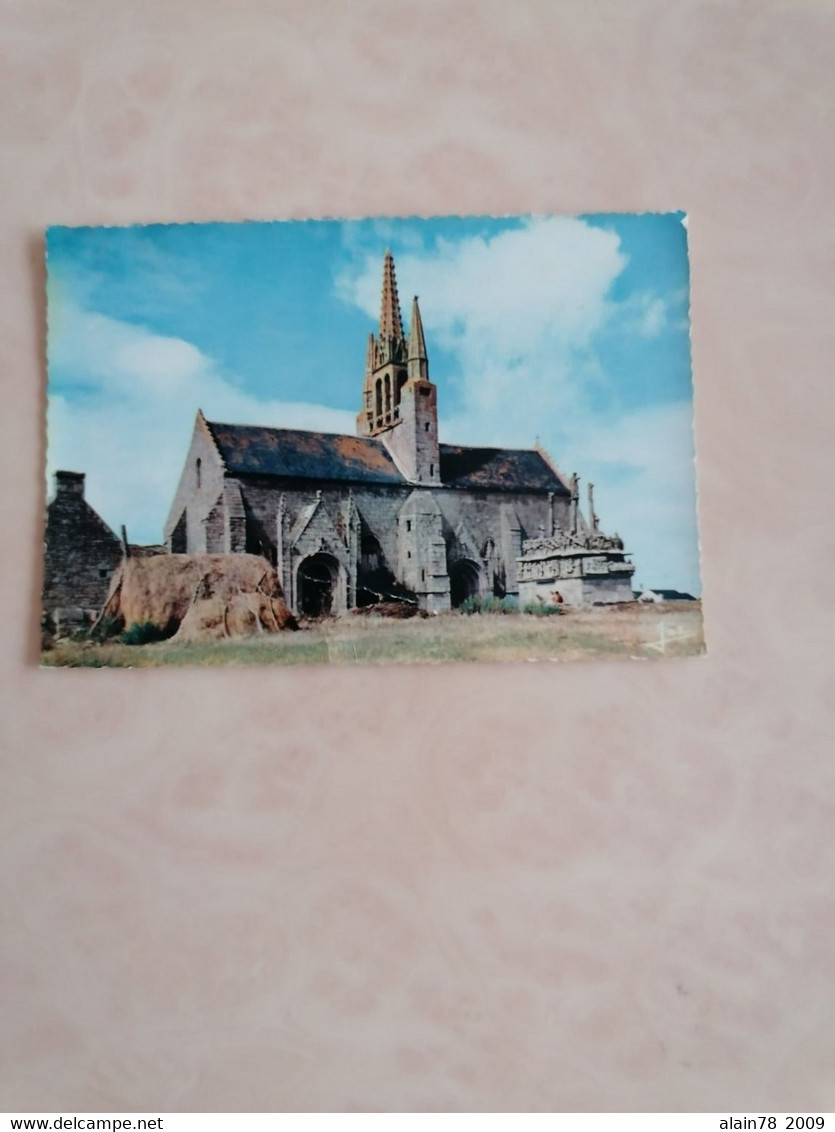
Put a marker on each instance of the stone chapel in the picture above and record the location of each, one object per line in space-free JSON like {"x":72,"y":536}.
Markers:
{"x":392,"y":513}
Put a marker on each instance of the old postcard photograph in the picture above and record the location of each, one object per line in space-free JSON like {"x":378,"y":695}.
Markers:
{"x":370,"y":441}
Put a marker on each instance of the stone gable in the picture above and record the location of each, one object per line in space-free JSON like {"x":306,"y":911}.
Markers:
{"x":80,"y":551}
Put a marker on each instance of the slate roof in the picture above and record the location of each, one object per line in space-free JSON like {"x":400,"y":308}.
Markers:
{"x":248,"y":450}
{"x":251,"y":450}
{"x":498,"y":469}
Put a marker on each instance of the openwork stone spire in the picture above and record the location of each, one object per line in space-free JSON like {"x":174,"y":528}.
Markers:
{"x":397,"y":395}
{"x":391,"y":324}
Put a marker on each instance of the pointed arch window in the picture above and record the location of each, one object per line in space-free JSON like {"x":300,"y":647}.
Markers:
{"x":198,"y":468}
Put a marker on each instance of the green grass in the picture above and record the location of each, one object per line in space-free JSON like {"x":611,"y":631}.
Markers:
{"x":647,"y":632}
{"x":146,"y":633}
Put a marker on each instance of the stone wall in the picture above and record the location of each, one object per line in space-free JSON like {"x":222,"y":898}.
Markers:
{"x":577,"y":591}
{"x":486,"y":528}
{"x":483,"y":530}
{"x":80,"y":550}
{"x":607,"y":590}
{"x":215,"y":529}
{"x":201,"y":484}
{"x":377,"y":506}
{"x":422,"y":551}
{"x":586,"y":569}
{"x":542,"y":590}
{"x":413,"y":442}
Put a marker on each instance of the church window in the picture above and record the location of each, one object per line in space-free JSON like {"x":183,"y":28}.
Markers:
{"x":408,"y":524}
{"x":199,"y":468}
{"x":378,"y":396}
{"x":431,"y":469}
{"x":426,"y":427}
{"x":388,"y":393}
{"x":408,"y":554}
{"x":425,"y":390}
{"x":423,"y":575}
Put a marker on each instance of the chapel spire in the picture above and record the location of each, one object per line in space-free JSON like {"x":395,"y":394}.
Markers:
{"x":391,"y":324}
{"x":417,"y":360}
{"x":399,"y":402}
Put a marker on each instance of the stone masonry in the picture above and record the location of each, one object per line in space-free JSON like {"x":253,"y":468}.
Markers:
{"x":392,"y":513}
{"x":80,"y":552}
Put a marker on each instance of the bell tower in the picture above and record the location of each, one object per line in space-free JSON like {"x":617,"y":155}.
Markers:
{"x":386,"y":369}
{"x":400,"y":403}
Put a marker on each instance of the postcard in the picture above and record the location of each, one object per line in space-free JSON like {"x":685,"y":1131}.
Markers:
{"x":370,"y":441}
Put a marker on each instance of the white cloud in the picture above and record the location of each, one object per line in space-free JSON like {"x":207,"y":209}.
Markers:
{"x":648,"y":314}
{"x":519,"y":313}
{"x":642,"y":467}
{"x":129,"y":425}
{"x":553,"y":273}
{"x":655,"y":315}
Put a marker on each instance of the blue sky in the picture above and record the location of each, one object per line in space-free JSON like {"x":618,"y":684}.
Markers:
{"x":572,"y":331}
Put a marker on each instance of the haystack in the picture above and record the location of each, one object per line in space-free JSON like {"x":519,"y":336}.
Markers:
{"x":197,"y":596}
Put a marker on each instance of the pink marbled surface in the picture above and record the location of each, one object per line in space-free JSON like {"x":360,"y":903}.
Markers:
{"x":602,"y":886}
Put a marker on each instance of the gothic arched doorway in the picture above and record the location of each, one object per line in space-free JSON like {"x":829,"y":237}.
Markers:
{"x":317,"y":582}
{"x":463,"y":581}
{"x":372,"y":576}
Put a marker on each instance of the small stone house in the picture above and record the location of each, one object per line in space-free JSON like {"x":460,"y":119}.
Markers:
{"x":657,"y":596}
{"x":81,"y":553}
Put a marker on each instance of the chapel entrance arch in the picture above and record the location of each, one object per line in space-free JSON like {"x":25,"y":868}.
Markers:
{"x":464,"y":578}
{"x":318,"y":585}
{"x":373,"y":579}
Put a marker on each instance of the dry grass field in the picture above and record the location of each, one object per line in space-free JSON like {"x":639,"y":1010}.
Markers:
{"x":639,"y":631}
